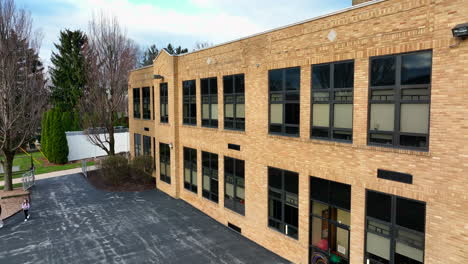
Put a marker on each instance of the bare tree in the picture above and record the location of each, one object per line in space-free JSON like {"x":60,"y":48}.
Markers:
{"x":202,"y":45}
{"x":23,"y":94}
{"x":110,"y":56}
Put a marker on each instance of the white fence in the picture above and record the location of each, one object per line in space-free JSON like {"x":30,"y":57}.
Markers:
{"x":28,"y":179}
{"x":79,"y":147}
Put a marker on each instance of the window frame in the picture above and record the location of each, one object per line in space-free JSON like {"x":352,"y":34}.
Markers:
{"x":331,"y":102}
{"x":163,"y":102}
{"x":238,"y":123}
{"x":146,"y":147}
{"x":190,"y":163}
{"x":146,"y":102}
{"x":210,"y":194}
{"x":283,"y":202}
{"x":164,"y":160}
{"x":283,"y":102}
{"x":328,"y":220}
{"x":189,"y":100}
{"x":238,"y":205}
{"x":397,"y":102}
{"x":152,"y":98}
{"x":136,"y":103}
{"x":393,"y":226}
{"x":212,"y":99}
{"x":137,"y":144}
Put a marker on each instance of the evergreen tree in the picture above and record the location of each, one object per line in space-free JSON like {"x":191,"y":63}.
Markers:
{"x":149,"y":55}
{"x":44,"y":133}
{"x":76,"y":125}
{"x":57,"y":146}
{"x":67,"y":121}
{"x":67,"y":72}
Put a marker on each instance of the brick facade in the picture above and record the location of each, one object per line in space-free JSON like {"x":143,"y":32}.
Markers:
{"x":383,"y":27}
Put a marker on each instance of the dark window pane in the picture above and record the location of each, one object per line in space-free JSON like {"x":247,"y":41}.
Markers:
{"x":343,"y":135}
{"x":413,"y":141}
{"x":239,"y":82}
{"x":320,"y":132}
{"x":292,"y":130}
{"x":276,"y":80}
{"x":292,"y":114}
{"x":319,"y":189}
{"x":291,"y":182}
{"x":275,"y":209}
{"x":383,"y":71}
{"x":416,"y":68}
{"x":381,"y":138}
{"x":340,"y":195}
{"x":410,"y":214}
{"x":321,"y":77}
{"x":344,"y":75}
{"x":213,"y":86}
{"x":275,"y":128}
{"x":291,"y":215}
{"x":204,"y":86}
{"x":229,"y":165}
{"x":405,"y":260}
{"x":239,"y":168}
{"x":274,"y":178}
{"x":293,"y":79}
{"x":228,"y":84}
{"x":378,"y":205}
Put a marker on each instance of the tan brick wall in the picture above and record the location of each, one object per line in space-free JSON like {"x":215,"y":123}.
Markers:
{"x":357,"y":2}
{"x":394,"y":26}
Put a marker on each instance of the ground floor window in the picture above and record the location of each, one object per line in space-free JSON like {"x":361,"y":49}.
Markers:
{"x":394,"y":229}
{"x":190,"y":169}
{"x":283,"y":207}
{"x":330,"y":221}
{"x":234,"y":185}
{"x":210,"y":176}
{"x":137,"y":143}
{"x":146,"y":146}
{"x":165,"y":162}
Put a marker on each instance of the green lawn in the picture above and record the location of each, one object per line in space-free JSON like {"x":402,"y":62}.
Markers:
{"x":16,"y":185}
{"x":24,"y":162}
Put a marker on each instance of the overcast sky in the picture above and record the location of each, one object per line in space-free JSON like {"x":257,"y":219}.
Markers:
{"x":181,"y":22}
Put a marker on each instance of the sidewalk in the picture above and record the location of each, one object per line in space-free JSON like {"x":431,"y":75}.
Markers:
{"x":53,"y":174}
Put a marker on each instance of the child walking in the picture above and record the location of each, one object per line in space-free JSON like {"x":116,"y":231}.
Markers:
{"x":25,"y":205}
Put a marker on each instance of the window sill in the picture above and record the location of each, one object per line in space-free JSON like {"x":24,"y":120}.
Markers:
{"x":240,"y":132}
{"x":331,"y":142}
{"x":164,"y":124}
{"x":210,"y":201}
{"x":191,"y":192}
{"x":414,"y":152}
{"x":285,"y":137}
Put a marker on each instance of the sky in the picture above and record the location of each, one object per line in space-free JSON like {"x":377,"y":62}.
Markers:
{"x":180,"y":22}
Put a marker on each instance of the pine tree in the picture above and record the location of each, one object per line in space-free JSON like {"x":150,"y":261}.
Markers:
{"x":67,"y":72}
{"x":149,"y":55}
{"x":67,"y":121}
{"x":44,"y":133}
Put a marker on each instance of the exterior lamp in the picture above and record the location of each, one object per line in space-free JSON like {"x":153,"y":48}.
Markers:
{"x":460,"y":30}
{"x":157,"y":76}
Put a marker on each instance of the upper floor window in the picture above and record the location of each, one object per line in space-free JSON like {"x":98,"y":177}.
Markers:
{"x":284,"y":95}
{"x":146,"y":103}
{"x":332,"y":101}
{"x":165,"y":162}
{"x":210,"y":176}
{"x":163,"y":97}
{"x":137,"y":143}
{"x":330,"y":218}
{"x":136,"y":103}
{"x":209,"y":93}
{"x":189,"y":103}
{"x":190,"y":169}
{"x":394,"y":229}
{"x":399,"y":100}
{"x":234,"y":190}
{"x":234,"y":102}
{"x":146,"y":146}
{"x":283,"y":191}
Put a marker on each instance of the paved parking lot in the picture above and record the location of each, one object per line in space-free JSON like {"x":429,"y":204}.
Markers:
{"x":72,"y":222}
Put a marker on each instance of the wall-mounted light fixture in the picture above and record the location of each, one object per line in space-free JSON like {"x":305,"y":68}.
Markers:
{"x":157,"y":76}
{"x":170,"y":145}
{"x":460,"y":30}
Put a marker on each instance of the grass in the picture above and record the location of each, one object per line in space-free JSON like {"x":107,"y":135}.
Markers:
{"x":16,"y":185}
{"x":24,"y":163}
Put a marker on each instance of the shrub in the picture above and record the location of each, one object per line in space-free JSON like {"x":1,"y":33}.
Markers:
{"x":143,"y":167}
{"x":115,"y":169}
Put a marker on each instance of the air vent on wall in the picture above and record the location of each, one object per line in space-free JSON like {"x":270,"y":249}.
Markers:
{"x":395,"y":176}
{"x":234,"y":147}
{"x":235,"y":228}
{"x":146,"y":128}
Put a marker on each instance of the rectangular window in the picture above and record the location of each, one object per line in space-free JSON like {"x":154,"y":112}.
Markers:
{"x":152,"y":98}
{"x":137,"y":142}
{"x":136,"y":103}
{"x":146,"y":103}
{"x":165,"y":163}
{"x":189,"y":103}
{"x":190,"y":169}
{"x":209,"y":93}
{"x":284,"y":96}
{"x":330,"y":220}
{"x":234,"y":185}
{"x":210,"y":176}
{"x":163,"y":97}
{"x":283,"y":206}
{"x":332,"y":101}
{"x":399,"y":100}
{"x":146,"y":146}
{"x":234,"y":102}
{"x":394,"y":229}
